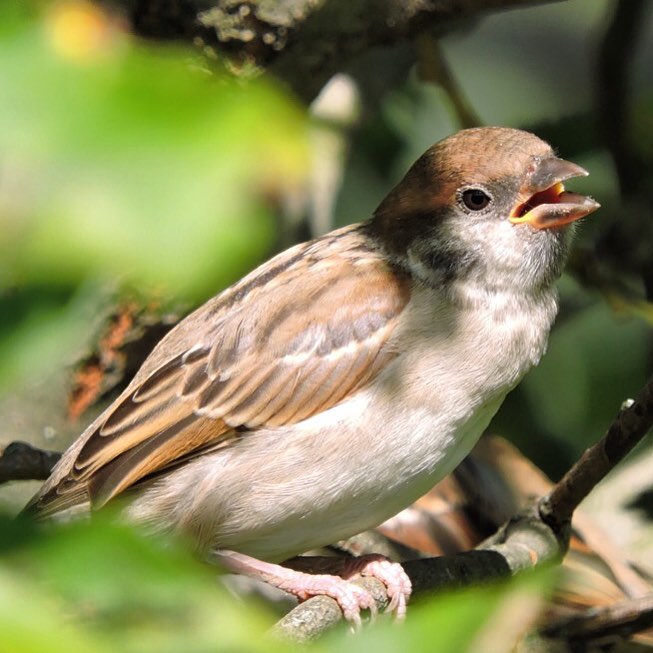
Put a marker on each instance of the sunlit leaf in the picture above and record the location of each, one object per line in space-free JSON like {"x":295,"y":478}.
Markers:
{"x":127,"y":591}
{"x":122,"y":159}
{"x":127,"y":161}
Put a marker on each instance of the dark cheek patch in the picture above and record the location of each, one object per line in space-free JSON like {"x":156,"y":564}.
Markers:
{"x":445,"y":255}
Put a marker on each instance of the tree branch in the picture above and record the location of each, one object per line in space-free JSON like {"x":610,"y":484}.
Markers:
{"x":20,"y":461}
{"x":522,"y":543}
{"x":433,"y":67}
{"x":303,"y":42}
{"x":621,"y":619}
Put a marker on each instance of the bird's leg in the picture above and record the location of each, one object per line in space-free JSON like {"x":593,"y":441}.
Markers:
{"x":350,"y":597}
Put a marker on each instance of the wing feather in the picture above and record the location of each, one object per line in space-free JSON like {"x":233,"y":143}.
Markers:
{"x":292,"y":339}
{"x":174,"y":442}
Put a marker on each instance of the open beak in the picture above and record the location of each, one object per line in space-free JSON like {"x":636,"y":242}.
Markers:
{"x":544,"y":203}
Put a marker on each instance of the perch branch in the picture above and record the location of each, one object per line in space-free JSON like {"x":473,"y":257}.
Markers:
{"x":627,"y":429}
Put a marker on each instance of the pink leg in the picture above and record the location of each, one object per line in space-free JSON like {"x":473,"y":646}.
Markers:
{"x":351,"y":598}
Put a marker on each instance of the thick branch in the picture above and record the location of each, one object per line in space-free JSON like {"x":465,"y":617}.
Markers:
{"x":304,"y":42}
{"x":521,"y":544}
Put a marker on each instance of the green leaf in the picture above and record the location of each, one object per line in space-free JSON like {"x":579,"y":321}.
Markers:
{"x":102,"y":583}
{"x":120,"y":160}
{"x":125,"y":159}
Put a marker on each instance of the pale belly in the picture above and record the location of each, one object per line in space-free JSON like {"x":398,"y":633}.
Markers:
{"x":281,"y":493}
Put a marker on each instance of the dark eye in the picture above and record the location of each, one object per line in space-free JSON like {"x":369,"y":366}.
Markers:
{"x":475,"y":199}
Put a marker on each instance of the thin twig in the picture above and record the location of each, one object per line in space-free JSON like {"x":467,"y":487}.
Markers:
{"x":434,"y":68}
{"x":620,"y":619}
{"x":614,"y":93}
{"x":628,"y":428}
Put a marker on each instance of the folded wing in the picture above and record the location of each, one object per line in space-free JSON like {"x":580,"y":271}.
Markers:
{"x":292,"y":339}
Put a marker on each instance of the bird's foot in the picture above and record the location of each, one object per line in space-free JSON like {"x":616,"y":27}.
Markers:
{"x":391,"y":574}
{"x":350,"y":597}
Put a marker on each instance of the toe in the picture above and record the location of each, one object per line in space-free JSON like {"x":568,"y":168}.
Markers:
{"x":397,"y":582}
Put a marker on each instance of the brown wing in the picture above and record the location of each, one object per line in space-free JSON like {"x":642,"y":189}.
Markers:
{"x":290,"y":340}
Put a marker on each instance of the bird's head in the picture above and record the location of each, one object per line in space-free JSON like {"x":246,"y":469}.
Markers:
{"x":487,"y":203}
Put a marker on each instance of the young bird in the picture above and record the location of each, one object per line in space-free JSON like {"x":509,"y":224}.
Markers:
{"x":338,"y":382}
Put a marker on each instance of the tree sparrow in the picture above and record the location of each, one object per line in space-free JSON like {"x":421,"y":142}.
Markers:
{"x":338,"y":382}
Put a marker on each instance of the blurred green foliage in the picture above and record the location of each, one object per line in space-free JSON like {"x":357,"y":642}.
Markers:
{"x":103,"y":587}
{"x":100,"y":587}
{"x":122,"y":160}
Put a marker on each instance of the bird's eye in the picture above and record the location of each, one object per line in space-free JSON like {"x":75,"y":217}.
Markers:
{"x":475,"y":199}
